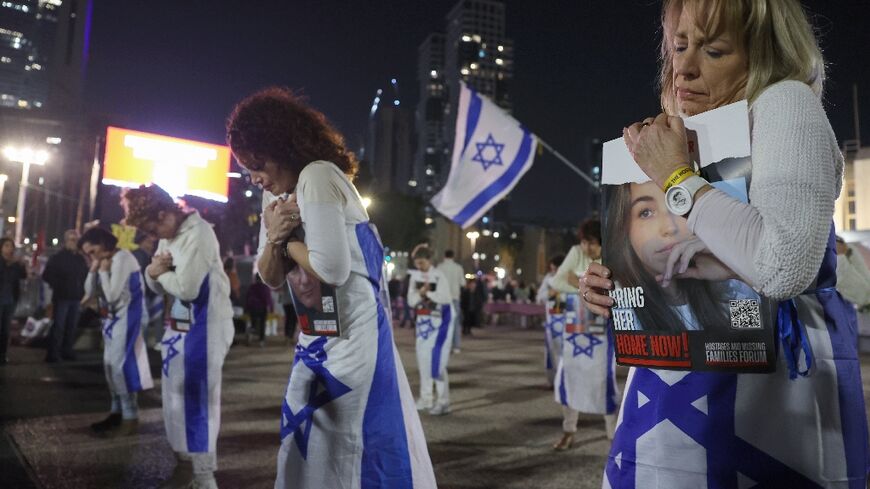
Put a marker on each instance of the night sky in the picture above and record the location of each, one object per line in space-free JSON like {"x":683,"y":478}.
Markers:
{"x":583,"y":69}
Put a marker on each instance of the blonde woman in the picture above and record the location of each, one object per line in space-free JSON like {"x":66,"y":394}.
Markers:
{"x":803,"y":425}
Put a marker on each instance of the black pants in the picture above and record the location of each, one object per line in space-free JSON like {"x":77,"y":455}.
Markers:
{"x":469,"y":320}
{"x":289,"y":320}
{"x":63,"y":328}
{"x":258,"y":323}
{"x":6,"y":311}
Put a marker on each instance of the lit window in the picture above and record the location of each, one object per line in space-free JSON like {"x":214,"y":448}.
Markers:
{"x":473,"y":66}
{"x":499,"y":61}
{"x":433,"y":74}
{"x":464,"y":71}
{"x":466,"y":38}
{"x":500,"y":48}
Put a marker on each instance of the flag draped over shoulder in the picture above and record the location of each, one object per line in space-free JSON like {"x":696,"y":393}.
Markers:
{"x":492,"y":151}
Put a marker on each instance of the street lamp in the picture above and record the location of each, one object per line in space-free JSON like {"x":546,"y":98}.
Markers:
{"x":27,"y":157}
{"x":366,"y":202}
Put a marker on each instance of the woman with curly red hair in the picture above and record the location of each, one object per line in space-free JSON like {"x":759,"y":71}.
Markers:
{"x":187,"y":266}
{"x":348,"y":417}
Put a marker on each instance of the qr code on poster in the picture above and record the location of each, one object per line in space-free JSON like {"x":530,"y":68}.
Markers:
{"x":328,"y":305}
{"x":745,"y":314}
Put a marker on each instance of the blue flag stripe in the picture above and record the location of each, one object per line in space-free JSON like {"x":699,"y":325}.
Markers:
{"x":508,"y":178}
{"x":475,"y":105}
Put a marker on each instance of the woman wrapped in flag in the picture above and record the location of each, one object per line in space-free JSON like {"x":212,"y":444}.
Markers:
{"x":585,"y":376}
{"x":116,"y":281}
{"x":187,"y":268}
{"x":348,"y":417}
{"x":429,"y":295}
{"x":804,"y":425}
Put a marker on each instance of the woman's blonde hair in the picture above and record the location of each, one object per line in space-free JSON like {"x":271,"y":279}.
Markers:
{"x":775,"y":34}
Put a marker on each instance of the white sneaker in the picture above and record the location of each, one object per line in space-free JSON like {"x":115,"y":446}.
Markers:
{"x":440,"y":410}
{"x":203,"y":481}
{"x":423,"y":406}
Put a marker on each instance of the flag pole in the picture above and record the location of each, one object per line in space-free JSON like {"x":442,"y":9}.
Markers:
{"x":567,"y":163}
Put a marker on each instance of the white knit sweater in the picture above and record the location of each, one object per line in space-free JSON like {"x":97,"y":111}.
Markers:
{"x":776,"y":243}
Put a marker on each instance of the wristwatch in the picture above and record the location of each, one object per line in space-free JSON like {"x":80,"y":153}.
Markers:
{"x":680,"y":198}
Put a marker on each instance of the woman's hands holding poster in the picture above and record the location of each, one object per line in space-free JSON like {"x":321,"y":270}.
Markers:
{"x":658,"y":145}
{"x":692,"y":259}
{"x":594,"y":286}
{"x":280,"y":218}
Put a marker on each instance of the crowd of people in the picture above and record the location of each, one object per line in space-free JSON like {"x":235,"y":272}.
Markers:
{"x":348,"y":416}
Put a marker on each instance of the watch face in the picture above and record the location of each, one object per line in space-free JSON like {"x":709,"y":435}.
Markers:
{"x":679,"y":201}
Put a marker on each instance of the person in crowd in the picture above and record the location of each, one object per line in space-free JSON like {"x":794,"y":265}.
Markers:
{"x":584,"y":378}
{"x":12,"y":272}
{"x":187,"y":266}
{"x":543,"y":297}
{"x":803,"y":425}
{"x":566,"y":281}
{"x":65,"y":273}
{"x":455,"y":276}
{"x":853,"y":277}
{"x":472,"y":300}
{"x":235,"y":282}
{"x":258,"y":304}
{"x":522,"y":292}
{"x":364,"y":416}
{"x":430,"y":296}
{"x":115,"y":279}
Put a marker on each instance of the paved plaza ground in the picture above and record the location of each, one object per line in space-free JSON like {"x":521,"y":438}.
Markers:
{"x":498,"y":435}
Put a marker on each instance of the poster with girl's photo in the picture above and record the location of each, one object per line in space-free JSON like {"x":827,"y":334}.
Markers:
{"x":676,"y":305}
{"x":315,"y":302}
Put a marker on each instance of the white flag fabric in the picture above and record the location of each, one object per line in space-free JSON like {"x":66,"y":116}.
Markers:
{"x":491,"y":152}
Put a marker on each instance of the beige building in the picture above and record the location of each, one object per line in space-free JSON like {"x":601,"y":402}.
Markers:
{"x":852,"y":209}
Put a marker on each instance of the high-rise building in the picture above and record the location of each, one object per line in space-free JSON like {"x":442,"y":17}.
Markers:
{"x":432,"y":150}
{"x":389,"y":145}
{"x":477,"y":50}
{"x":43,"y":51}
{"x":474,"y":49}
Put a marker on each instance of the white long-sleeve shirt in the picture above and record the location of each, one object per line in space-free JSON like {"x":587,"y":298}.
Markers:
{"x":455,"y":276}
{"x":439,"y":292}
{"x":198,"y":268}
{"x":576,"y":262}
{"x":776,"y":242}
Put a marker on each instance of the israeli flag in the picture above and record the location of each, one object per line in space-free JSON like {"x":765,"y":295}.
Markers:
{"x":492,"y":151}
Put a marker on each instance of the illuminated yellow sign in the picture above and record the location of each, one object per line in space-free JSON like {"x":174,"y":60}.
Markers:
{"x":179,"y":166}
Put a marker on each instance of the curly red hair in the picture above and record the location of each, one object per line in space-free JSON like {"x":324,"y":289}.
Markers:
{"x":276,"y":123}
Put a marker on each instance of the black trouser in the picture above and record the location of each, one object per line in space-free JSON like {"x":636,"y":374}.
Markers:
{"x":289,"y":320}
{"x":63,"y":328}
{"x":469,"y":320}
{"x":258,"y":322}
{"x":6,"y":311}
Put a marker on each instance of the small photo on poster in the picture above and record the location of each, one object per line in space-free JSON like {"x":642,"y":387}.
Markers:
{"x":315,"y":303}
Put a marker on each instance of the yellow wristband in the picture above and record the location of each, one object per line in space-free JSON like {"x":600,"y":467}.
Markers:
{"x":678,"y":176}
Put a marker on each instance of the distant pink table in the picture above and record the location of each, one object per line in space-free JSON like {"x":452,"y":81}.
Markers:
{"x":513,"y":310}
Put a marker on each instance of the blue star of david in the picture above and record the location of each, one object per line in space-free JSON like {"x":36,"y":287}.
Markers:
{"x":488,"y":162}
{"x":107,"y":330}
{"x":554,"y":320}
{"x":325,"y":388}
{"x":171,"y":352}
{"x":425,"y":328}
{"x":587,"y":350}
{"x":674,"y":404}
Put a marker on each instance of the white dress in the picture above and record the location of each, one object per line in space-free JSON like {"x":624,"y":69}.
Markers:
{"x":348,"y":417}
{"x":434,"y":327}
{"x":192,"y":361}
{"x":585,"y":378}
{"x":121,"y":295}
